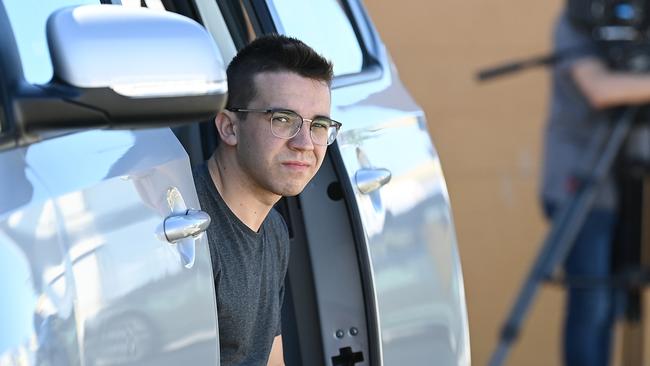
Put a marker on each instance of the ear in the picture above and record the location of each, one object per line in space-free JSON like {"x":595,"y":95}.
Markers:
{"x":227,"y":127}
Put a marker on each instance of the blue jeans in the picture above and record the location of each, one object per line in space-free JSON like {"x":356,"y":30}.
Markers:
{"x":589,"y":310}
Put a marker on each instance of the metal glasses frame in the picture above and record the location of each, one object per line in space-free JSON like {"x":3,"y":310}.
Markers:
{"x":333,"y":123}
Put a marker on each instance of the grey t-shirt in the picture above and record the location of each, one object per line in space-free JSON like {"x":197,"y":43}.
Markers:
{"x":249,"y":269}
{"x":571,"y":121}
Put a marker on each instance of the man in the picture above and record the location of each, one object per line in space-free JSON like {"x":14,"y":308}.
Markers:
{"x":273,"y":134}
{"x":583,"y":89}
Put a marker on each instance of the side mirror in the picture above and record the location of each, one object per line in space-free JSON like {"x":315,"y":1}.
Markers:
{"x":119,"y":67}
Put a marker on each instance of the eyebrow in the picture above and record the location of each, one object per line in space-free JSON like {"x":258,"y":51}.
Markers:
{"x":291,"y":110}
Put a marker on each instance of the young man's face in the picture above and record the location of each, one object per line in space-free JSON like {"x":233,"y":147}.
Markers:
{"x":273,"y":164}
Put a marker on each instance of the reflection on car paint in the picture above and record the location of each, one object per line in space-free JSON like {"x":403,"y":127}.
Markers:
{"x":97,"y":268}
{"x":408,"y":225}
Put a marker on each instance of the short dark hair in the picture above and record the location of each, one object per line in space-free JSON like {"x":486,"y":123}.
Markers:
{"x":272,"y":53}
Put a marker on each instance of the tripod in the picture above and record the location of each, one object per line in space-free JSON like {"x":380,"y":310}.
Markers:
{"x":602,"y":152}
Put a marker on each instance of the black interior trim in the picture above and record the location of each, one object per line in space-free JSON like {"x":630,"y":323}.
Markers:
{"x":301,"y":328}
{"x":235,"y":21}
{"x":374,"y":338}
{"x":258,"y":12}
{"x":11,"y":81}
{"x":183,"y":7}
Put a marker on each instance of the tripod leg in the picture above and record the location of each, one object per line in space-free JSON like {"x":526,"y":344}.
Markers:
{"x":633,"y":337}
{"x":565,"y":229}
{"x":633,"y":328}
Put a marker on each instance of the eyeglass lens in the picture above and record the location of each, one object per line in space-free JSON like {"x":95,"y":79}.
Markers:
{"x":286,"y":124}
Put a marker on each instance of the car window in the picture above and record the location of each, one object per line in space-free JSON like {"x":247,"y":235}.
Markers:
{"x":28,"y":18}
{"x":239,"y":23}
{"x":323,"y":25}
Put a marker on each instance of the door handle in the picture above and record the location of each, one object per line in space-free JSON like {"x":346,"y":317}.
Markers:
{"x":190,"y":224}
{"x":369,"y":180}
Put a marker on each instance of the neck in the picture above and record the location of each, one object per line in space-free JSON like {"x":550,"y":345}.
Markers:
{"x":250,"y":204}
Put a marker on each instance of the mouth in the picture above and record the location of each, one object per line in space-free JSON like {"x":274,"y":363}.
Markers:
{"x":296,"y":165}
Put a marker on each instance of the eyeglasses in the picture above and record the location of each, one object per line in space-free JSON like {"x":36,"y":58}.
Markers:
{"x":286,"y":124}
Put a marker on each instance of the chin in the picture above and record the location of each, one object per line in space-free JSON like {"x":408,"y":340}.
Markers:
{"x":291,"y":193}
{"x":293,"y":190}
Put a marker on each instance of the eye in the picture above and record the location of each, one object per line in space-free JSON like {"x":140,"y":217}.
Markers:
{"x":320,"y":125}
{"x":283,"y":118}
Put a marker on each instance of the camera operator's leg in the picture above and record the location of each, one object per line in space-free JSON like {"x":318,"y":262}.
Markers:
{"x":589,"y":314}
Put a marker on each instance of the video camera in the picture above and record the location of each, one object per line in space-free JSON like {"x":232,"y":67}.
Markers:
{"x":611,"y":19}
{"x":620,"y":27}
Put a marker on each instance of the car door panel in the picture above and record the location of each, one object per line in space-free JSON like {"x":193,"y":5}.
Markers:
{"x":37,"y":301}
{"x":135,"y":299}
{"x":90,"y":275}
{"x":408,"y":226}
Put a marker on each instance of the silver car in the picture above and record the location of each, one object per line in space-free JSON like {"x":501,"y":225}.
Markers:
{"x":103,"y":257}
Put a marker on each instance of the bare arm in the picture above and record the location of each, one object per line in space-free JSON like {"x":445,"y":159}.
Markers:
{"x":276,"y":358}
{"x":605,"y":88}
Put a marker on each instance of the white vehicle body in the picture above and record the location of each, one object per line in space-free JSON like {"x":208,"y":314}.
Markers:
{"x":91,"y":272}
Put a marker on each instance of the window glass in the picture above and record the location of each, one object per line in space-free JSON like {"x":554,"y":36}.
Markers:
{"x":323,"y":25}
{"x":238,"y":21}
{"x":28,"y":19}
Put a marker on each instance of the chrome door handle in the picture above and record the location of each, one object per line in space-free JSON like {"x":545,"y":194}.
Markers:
{"x":369,"y":180}
{"x":190,"y":224}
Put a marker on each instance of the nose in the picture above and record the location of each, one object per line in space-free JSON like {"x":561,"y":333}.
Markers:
{"x":302,"y":141}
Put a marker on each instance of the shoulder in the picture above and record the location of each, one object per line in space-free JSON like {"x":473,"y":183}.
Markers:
{"x":277,"y":226}
{"x":207,"y":203}
{"x":572,"y":40}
